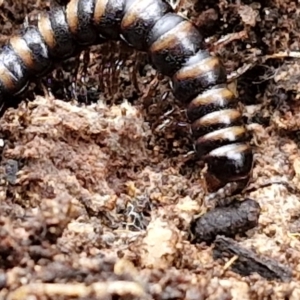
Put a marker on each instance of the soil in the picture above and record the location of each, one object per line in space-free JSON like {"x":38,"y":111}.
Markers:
{"x":99,"y":183}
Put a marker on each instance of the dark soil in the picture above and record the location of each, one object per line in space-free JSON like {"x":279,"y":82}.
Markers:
{"x":99,"y":183}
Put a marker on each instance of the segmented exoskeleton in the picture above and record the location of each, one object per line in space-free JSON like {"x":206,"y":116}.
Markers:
{"x":176,"y":49}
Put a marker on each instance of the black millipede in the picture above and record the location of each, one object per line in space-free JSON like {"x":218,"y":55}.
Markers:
{"x":176,"y":49}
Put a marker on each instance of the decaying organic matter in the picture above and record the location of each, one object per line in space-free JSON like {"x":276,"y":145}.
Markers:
{"x":104,"y":193}
{"x":236,"y":218}
{"x":246,"y":262}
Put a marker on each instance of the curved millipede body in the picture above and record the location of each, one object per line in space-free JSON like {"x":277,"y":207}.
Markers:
{"x":176,"y":49}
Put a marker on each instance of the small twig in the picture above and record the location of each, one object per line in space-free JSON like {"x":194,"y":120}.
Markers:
{"x":289,"y":186}
{"x":283,"y":54}
{"x":240,"y":71}
{"x":228,"y":38}
{"x":230,"y":262}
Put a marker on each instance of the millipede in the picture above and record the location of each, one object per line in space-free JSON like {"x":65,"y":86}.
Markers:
{"x":176,"y":49}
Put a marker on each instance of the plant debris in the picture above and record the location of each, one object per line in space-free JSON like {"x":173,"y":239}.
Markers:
{"x":236,"y":218}
{"x":99,"y":181}
{"x":247,"y":262}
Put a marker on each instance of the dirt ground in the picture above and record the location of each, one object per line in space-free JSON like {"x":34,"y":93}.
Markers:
{"x":96,"y":197}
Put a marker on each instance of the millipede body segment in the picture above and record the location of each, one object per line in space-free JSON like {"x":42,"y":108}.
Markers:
{"x":176,"y":49}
